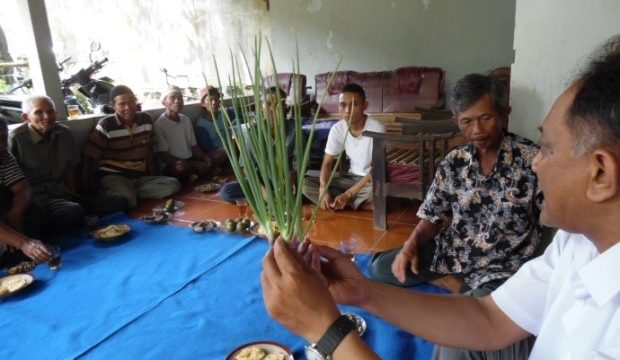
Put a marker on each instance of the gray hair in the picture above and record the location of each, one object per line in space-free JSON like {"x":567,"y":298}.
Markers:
{"x":473,"y":87}
{"x":28,"y":103}
{"x":594,"y":116}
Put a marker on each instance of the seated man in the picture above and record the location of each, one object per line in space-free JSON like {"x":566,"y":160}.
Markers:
{"x":232,"y":191}
{"x":176,"y":142}
{"x":355,"y":188}
{"x":47,"y":153}
{"x":569,"y":297}
{"x":206,"y":133}
{"x":14,"y":203}
{"x":123,"y":144}
{"x":488,"y":193}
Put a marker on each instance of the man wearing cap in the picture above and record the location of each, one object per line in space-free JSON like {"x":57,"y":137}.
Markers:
{"x":123,"y":144}
{"x":206,"y":133}
{"x":176,"y":141}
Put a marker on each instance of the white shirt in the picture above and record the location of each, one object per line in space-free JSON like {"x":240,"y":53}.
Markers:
{"x":175,"y":138}
{"x":358,"y":149}
{"x":569,"y":298}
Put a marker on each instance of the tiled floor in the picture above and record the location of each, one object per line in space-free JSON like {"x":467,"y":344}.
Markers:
{"x":330,"y":227}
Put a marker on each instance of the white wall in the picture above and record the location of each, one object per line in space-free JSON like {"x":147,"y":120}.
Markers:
{"x":459,"y":36}
{"x":552,"y":38}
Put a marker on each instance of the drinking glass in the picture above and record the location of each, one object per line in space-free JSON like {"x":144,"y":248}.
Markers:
{"x":73,"y":111}
{"x":242,"y":208}
{"x":56,"y":260}
{"x":348,"y":247}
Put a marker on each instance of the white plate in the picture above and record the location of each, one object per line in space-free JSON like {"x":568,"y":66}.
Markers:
{"x":270,"y":347}
{"x":157,"y":217}
{"x":204,"y":226}
{"x":208,"y":187}
{"x":13,"y":283}
{"x":112,"y":232}
{"x":178,"y":205}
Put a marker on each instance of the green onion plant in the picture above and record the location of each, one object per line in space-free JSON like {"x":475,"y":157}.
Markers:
{"x":255,"y":142}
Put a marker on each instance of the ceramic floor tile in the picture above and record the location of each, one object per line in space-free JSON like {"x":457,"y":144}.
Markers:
{"x":329,"y":230}
{"x":330,"y":226}
{"x":394,"y":237}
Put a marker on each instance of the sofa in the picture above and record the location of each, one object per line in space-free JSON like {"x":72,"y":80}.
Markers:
{"x":410,"y":89}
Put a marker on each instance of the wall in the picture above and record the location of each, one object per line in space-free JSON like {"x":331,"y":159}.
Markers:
{"x":552,"y":38}
{"x":459,"y":36}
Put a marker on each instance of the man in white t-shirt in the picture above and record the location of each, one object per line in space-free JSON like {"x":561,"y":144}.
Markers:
{"x":569,"y":297}
{"x":176,"y":141}
{"x":353,"y":189}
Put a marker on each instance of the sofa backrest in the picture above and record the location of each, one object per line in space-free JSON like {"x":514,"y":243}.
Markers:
{"x":404,"y":90}
{"x":292,"y":84}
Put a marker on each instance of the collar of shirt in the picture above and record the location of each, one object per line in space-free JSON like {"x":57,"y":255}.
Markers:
{"x":504,"y":154}
{"x":600,"y":276}
{"x":36,"y":137}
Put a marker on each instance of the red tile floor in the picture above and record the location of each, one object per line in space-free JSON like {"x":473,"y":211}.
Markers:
{"x":330,"y":226}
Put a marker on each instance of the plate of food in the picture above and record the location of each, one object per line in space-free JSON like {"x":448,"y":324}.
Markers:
{"x":208,"y":187}
{"x":111,"y":232}
{"x":21,"y":268}
{"x":157,"y":217}
{"x":170,"y":206}
{"x":259,"y":230}
{"x":204,"y":226}
{"x":261,"y":350}
{"x":11,"y":284}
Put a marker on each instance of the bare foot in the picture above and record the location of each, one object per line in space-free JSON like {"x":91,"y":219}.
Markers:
{"x":449,"y":282}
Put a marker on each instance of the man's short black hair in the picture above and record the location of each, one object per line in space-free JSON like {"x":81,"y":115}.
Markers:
{"x":354,"y":88}
{"x":594,"y":116}
{"x":275,"y":89}
{"x":472,"y":87}
{"x":120,"y":90}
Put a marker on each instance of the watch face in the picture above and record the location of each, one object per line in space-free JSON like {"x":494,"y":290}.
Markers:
{"x":313,"y":354}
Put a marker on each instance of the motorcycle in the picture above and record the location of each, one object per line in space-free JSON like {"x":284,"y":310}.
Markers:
{"x":81,"y":88}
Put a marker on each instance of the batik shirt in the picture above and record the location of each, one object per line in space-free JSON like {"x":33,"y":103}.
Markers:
{"x":494,"y":226}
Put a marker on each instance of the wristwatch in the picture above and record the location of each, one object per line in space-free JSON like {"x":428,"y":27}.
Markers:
{"x":325,"y":347}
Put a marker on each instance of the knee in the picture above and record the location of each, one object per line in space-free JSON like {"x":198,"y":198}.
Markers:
{"x":377,"y":268}
{"x":231,"y":192}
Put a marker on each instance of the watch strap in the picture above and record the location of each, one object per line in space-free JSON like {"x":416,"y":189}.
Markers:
{"x":334,"y":335}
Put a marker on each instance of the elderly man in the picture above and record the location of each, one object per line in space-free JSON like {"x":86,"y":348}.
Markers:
{"x":353,"y":189}
{"x":47,"y":153}
{"x":176,"y":141}
{"x":123,"y":144}
{"x":15,"y":198}
{"x":569,"y":297}
{"x":486,"y":191}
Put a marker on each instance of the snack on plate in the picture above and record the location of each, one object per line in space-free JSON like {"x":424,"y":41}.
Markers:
{"x":112,"y":231}
{"x":208,"y":187}
{"x":277,"y":356}
{"x":250,"y":353}
{"x":11,"y":285}
{"x":22,"y":267}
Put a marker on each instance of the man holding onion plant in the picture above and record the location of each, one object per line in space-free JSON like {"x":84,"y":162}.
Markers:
{"x":353,"y":189}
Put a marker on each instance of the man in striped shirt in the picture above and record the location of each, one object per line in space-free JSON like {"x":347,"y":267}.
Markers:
{"x":14,"y":202}
{"x":123,"y":145}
